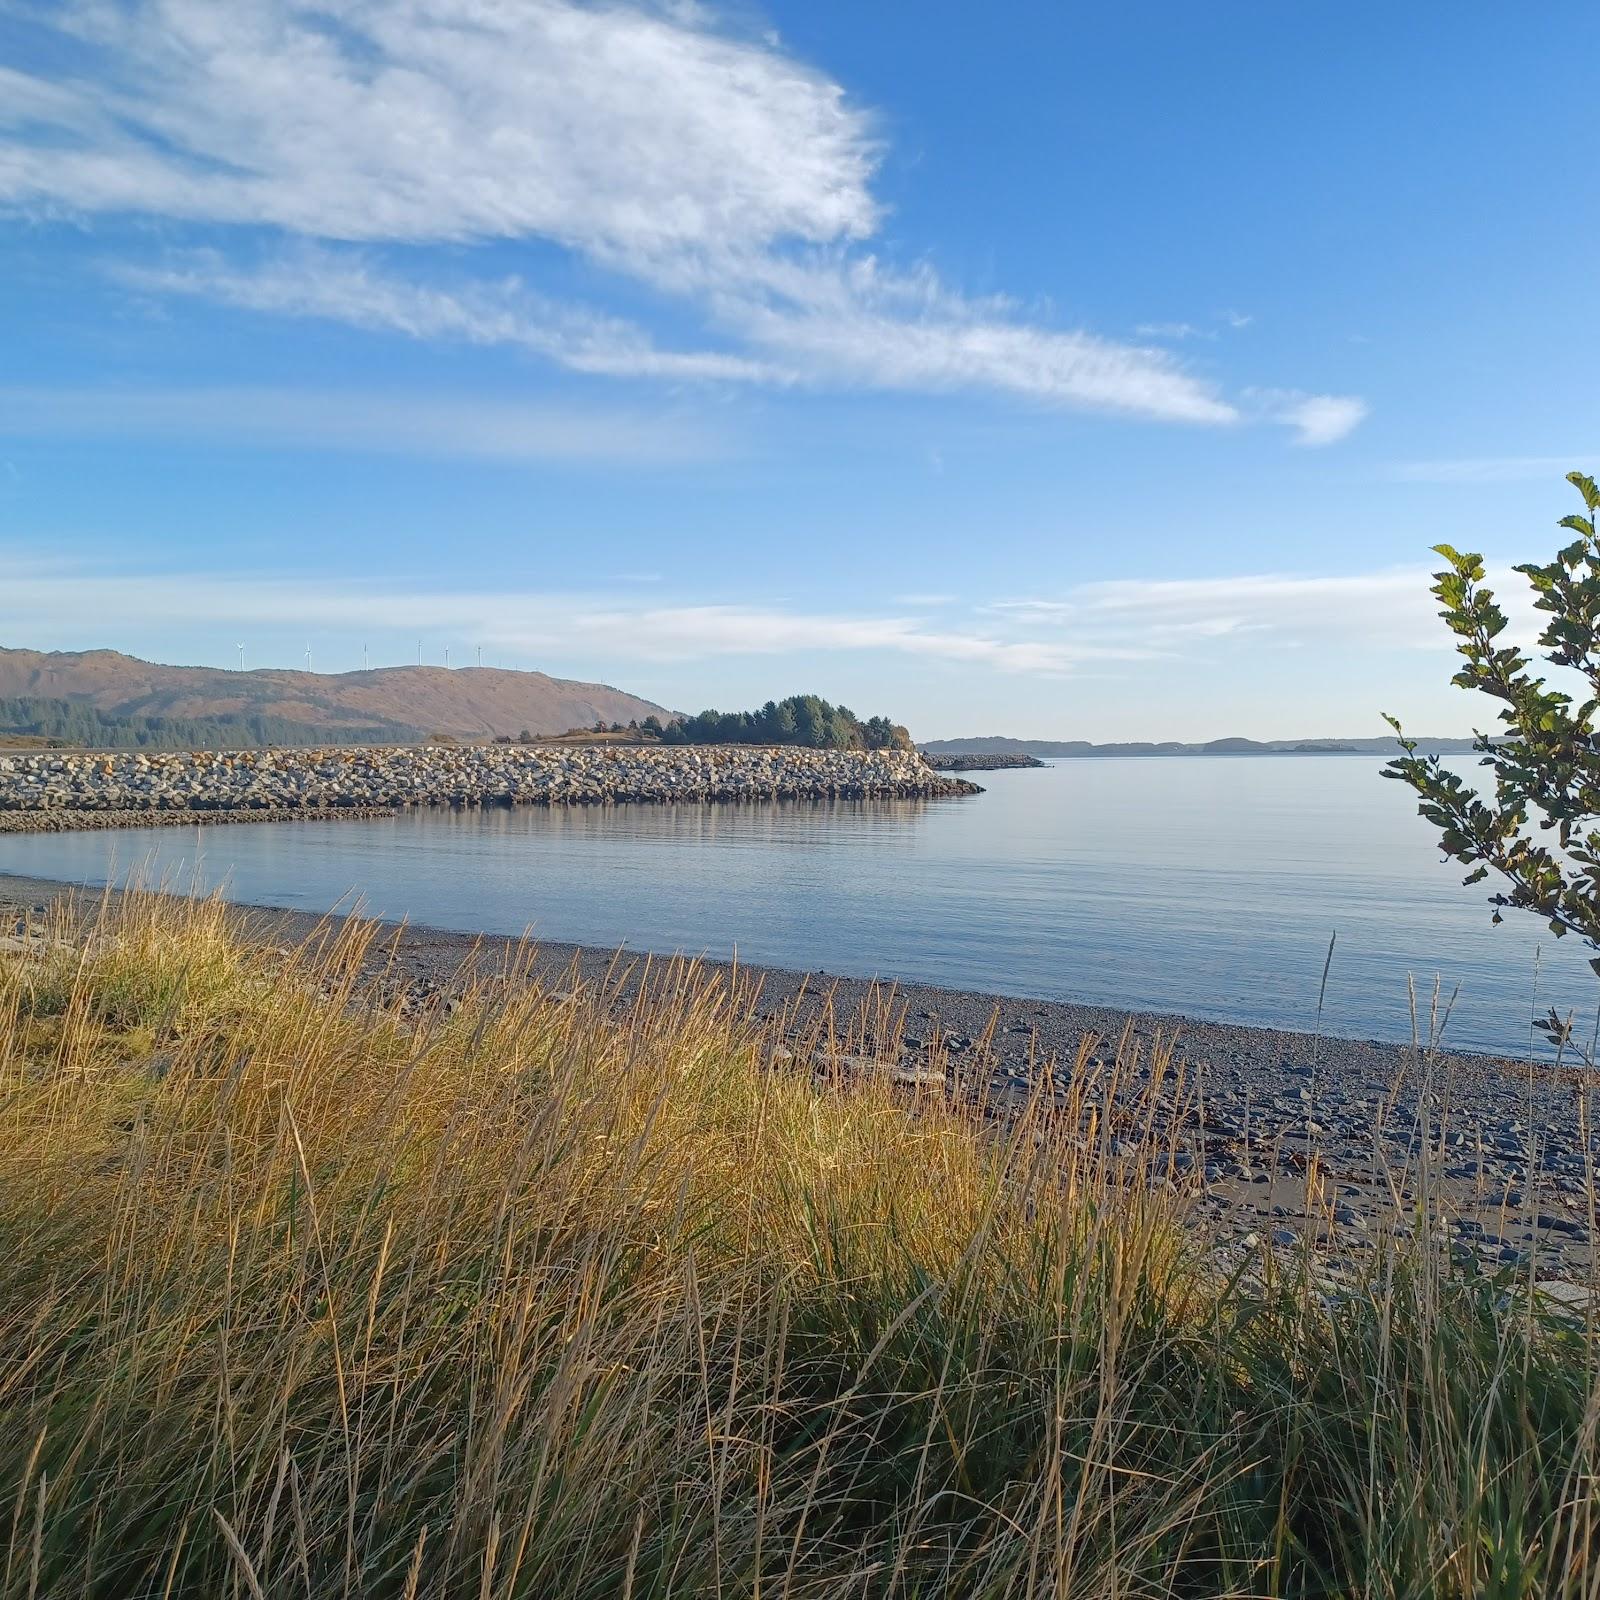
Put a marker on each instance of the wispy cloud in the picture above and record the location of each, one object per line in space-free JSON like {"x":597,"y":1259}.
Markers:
{"x":862,"y":324}
{"x":1318,"y":419}
{"x":1393,"y":607}
{"x":650,"y":139}
{"x":819,"y":325}
{"x":621,"y":130}
{"x":1173,"y":330}
{"x":1385,"y":609}
{"x":343,"y":287}
{"x":541,"y":624}
{"x":1177,"y":332}
{"x":431,"y":425}
{"x":1116,"y":626}
{"x":1496,"y":469}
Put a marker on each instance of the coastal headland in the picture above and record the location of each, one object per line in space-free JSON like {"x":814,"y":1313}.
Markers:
{"x":46,"y":791}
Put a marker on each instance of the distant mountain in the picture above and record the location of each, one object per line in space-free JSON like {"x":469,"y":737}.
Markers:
{"x":997,"y":744}
{"x":400,"y":703}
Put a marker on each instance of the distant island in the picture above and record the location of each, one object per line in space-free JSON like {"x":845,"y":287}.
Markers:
{"x":997,"y":744}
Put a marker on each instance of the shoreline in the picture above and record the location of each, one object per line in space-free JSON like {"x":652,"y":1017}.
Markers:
{"x":77,"y":821}
{"x":437,"y":954}
{"x":1298,"y":1136}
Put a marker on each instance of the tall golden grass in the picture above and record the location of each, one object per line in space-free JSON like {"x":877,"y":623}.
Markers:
{"x":303,"y":1294}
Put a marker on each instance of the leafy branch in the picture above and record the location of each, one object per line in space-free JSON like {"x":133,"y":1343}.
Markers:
{"x":1537,"y":824}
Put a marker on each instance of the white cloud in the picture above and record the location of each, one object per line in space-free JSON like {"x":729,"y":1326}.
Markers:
{"x":544,"y":625}
{"x":1096,"y":628}
{"x":361,"y":420}
{"x":817,"y":325}
{"x":1318,"y":419}
{"x":1179,"y":331}
{"x":1387,"y":609}
{"x":647,"y":138}
{"x":1392,"y":607}
{"x":1325,"y":418}
{"x":1172,"y":330}
{"x":339,"y":287}
{"x":1497,"y":469}
{"x":621,"y":129}
{"x":867,"y":326}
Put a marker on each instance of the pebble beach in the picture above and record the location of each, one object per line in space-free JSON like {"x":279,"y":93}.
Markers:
{"x":1306,"y":1142}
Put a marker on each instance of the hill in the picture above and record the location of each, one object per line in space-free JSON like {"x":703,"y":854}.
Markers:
{"x":998,"y":744}
{"x":33,"y":722}
{"x":395,"y":703}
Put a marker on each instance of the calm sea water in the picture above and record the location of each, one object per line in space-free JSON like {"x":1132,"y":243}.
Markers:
{"x":1209,"y":886}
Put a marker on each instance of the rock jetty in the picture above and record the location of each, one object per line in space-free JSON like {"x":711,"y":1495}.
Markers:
{"x":48,"y":790}
{"x":980,"y":761}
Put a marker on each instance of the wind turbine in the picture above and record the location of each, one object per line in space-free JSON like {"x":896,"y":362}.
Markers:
{"x":240,"y":649}
{"x":364,"y":658}
{"x":308,"y":658}
{"x":447,"y":657}
{"x":480,"y":658}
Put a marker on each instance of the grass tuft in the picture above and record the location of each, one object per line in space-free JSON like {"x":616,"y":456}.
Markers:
{"x":304,"y":1293}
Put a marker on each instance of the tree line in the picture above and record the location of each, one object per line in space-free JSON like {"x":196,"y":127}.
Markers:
{"x":68,"y":723}
{"x":802,"y":719}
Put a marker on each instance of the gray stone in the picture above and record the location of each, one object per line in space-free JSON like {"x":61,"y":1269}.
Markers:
{"x":134,"y":789}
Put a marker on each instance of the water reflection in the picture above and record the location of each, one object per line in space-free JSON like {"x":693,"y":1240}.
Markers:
{"x":1197,"y":885}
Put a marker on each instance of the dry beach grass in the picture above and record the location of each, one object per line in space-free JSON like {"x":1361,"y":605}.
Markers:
{"x":305,"y":1292}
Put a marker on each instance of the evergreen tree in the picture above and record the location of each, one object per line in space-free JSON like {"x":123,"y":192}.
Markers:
{"x":785,"y":730}
{"x":806,"y":720}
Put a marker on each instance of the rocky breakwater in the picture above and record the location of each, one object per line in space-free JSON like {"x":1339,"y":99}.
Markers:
{"x":995,"y":761}
{"x":52,"y":790}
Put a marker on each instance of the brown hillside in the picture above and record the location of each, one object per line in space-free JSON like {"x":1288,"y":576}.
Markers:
{"x":465,"y":701}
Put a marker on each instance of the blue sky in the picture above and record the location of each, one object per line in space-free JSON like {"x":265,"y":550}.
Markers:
{"x":1062,"y":370}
